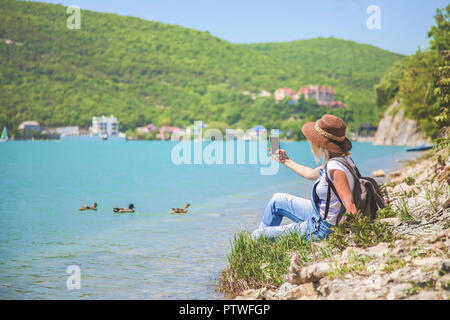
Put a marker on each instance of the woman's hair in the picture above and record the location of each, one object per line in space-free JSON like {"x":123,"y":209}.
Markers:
{"x":319,"y":152}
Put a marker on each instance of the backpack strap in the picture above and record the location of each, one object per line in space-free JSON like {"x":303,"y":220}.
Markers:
{"x":327,"y":205}
{"x":356,"y":174}
{"x":355,"y":168}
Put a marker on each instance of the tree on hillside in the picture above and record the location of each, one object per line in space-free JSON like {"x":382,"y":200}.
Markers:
{"x":421,"y":80}
{"x":441,"y":78}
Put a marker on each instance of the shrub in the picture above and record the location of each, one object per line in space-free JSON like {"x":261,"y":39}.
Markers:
{"x":359,"y":231}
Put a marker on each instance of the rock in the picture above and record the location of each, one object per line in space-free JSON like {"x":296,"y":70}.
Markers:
{"x":249,"y":294}
{"x":298,"y":292}
{"x":433,"y":238}
{"x":395,"y":276}
{"x":378,"y":173}
{"x":427,"y":262}
{"x":426,"y":295}
{"x":402,"y":188}
{"x":296,"y":264}
{"x":310,"y":273}
{"x":397,"y":180}
{"x":411,"y":222}
{"x":244,"y":298}
{"x":379,"y":250}
{"x":397,"y":291}
{"x":443,"y":283}
{"x":324,"y":288}
{"x":373,"y":283}
{"x":348,"y":276}
{"x":285,"y":287}
{"x":371,"y":295}
{"x":371,"y":268}
{"x":445,"y":268}
{"x":394,"y":174}
{"x":346,"y":253}
{"x":391,"y":221}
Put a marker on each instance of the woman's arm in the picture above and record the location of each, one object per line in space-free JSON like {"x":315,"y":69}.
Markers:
{"x":303,"y":171}
{"x":340,"y":182}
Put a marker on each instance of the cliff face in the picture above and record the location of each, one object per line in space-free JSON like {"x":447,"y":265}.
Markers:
{"x":394,"y":129}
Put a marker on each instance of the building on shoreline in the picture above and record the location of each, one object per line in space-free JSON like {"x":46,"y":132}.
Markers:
{"x":31,"y":130}
{"x":319,"y":93}
{"x":146,"y":129}
{"x":105,"y":126}
{"x":165,"y":132}
{"x":282,"y":93}
{"x":323,"y":96}
{"x":68,"y":131}
{"x":29,"y":126}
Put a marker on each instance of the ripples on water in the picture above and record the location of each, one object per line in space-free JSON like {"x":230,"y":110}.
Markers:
{"x":147,"y":255}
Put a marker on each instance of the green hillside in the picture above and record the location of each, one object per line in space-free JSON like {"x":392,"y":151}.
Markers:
{"x":144,"y":71}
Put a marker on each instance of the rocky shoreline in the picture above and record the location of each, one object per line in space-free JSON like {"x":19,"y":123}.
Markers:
{"x":414,"y":265}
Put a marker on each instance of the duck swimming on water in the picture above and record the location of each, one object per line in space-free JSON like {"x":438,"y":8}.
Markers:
{"x":180,"y":210}
{"x":85,"y":207}
{"x":130,"y":209}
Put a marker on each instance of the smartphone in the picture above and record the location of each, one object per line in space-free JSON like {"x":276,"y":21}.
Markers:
{"x":274,"y":144}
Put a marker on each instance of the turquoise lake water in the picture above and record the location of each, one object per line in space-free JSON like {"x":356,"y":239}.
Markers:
{"x":147,"y":255}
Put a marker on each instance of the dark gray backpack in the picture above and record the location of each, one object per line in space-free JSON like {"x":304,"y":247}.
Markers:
{"x":366,"y":193}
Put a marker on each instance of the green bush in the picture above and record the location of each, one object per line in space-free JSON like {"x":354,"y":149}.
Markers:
{"x":359,"y":231}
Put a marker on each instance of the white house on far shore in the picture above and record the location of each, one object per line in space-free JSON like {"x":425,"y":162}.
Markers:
{"x":68,"y":131}
{"x":105,"y":126}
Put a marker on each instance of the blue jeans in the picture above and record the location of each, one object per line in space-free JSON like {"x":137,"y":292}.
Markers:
{"x":306,"y":220}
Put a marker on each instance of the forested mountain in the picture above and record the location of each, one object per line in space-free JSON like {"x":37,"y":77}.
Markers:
{"x":144,"y":71}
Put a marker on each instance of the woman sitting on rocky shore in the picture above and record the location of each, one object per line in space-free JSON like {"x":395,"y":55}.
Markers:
{"x":312,"y":217}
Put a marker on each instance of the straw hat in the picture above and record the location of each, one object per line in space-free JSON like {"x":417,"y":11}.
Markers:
{"x":328,"y":133}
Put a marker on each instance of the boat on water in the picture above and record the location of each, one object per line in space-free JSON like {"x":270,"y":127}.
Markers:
{"x":4,"y":135}
{"x":422,"y":147}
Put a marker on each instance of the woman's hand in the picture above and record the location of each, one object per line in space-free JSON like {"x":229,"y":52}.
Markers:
{"x":305,"y":172}
{"x":280,"y":156}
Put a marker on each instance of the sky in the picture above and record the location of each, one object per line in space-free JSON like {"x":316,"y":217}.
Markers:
{"x":403,"y":24}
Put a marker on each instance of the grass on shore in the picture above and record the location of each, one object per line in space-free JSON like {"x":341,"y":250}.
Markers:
{"x":263,"y":262}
